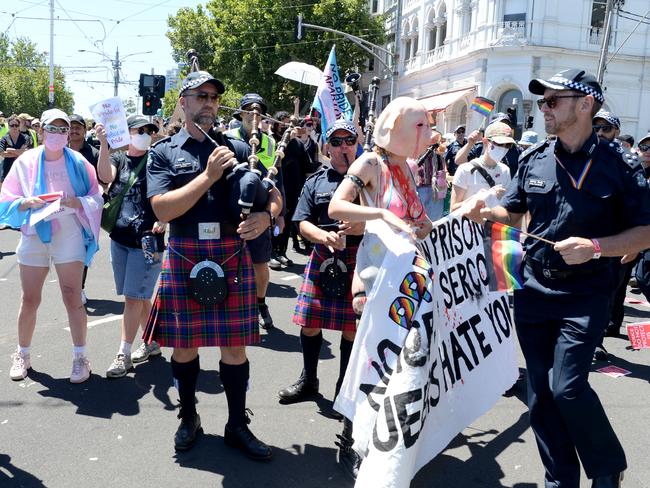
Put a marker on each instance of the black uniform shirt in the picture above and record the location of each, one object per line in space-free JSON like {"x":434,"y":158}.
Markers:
{"x":613,"y":197}
{"x":177,"y":160}
{"x":450,"y":155}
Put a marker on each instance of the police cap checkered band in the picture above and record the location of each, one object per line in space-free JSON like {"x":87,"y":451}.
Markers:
{"x":341,"y":124}
{"x":570,"y":79}
{"x":198,"y":78}
{"x":609,"y":117}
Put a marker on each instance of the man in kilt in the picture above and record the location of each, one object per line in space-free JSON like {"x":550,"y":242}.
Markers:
{"x":326,"y":303}
{"x":188,"y":189}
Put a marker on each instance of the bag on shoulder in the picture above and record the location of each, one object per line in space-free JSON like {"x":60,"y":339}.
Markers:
{"x":112,"y":207}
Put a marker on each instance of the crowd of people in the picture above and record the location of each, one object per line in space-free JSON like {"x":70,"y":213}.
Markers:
{"x":583,"y":186}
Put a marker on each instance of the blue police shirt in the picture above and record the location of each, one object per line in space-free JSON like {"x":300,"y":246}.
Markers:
{"x":613,"y":197}
{"x":177,"y":160}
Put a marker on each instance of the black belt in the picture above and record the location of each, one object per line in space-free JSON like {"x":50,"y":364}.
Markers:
{"x":192,"y":230}
{"x":561,"y":274}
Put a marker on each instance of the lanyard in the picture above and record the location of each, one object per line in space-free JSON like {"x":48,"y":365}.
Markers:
{"x":576,"y":184}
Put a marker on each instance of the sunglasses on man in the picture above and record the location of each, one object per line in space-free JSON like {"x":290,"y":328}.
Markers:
{"x":55,"y":129}
{"x":551,"y":102}
{"x":507,"y":145}
{"x":337,"y":141}
{"x":14,"y":125}
{"x":203,"y":96}
{"x":644,"y":147}
{"x":606,"y":128}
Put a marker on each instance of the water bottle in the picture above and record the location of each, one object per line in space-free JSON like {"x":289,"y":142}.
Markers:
{"x":149,"y":248}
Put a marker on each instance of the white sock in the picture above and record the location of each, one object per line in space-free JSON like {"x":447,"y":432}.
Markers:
{"x":125,"y":348}
{"x":24,"y":350}
{"x":78,"y":351}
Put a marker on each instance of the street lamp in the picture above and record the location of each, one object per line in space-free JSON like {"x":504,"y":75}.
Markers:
{"x":116,"y":63}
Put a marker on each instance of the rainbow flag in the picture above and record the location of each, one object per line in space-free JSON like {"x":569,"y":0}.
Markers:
{"x":484,"y":106}
{"x":504,"y":254}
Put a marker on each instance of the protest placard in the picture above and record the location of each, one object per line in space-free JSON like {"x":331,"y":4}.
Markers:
{"x":639,"y":334}
{"x":110,"y":113}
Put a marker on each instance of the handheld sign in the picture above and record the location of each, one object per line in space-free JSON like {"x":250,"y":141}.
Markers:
{"x":110,"y":113}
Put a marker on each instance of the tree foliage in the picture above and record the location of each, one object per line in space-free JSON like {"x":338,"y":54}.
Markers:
{"x":243,"y":43}
{"x":24,"y":79}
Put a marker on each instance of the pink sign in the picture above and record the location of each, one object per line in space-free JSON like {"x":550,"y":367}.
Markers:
{"x":639,"y":335}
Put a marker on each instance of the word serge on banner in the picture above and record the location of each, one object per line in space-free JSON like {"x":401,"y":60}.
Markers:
{"x":330,"y":99}
{"x":434,"y":351}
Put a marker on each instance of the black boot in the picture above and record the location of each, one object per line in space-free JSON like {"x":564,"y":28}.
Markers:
{"x":302,"y":389}
{"x":613,"y":481}
{"x":185,"y":376}
{"x":346,"y":350}
{"x":237,"y":434}
{"x":307,"y":384}
{"x":349,"y":460}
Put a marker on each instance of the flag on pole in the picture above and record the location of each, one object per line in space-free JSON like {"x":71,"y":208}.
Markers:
{"x":330,"y":100}
{"x":482,"y":105}
{"x":504,"y":254}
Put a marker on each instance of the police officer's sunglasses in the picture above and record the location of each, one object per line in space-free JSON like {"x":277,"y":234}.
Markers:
{"x":605,"y":128}
{"x":203,"y":96}
{"x":644,"y":147}
{"x":54,"y":129}
{"x":337,"y":141}
{"x":551,"y":102}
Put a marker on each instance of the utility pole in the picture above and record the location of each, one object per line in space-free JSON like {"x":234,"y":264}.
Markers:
{"x":51,"y":85}
{"x":609,"y":10}
{"x":116,"y":71}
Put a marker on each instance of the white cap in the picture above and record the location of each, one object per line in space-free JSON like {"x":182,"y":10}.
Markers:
{"x":53,"y":114}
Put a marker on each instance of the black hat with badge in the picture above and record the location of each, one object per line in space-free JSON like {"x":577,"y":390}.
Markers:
{"x":569,"y":79}
{"x":197,"y":78}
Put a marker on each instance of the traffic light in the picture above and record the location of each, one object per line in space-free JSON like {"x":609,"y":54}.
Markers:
{"x":512,"y":114}
{"x":150,"y":104}
{"x":529,"y":122}
{"x":151,"y":84}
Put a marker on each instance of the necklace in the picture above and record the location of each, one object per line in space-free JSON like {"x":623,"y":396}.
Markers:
{"x":581,"y":179}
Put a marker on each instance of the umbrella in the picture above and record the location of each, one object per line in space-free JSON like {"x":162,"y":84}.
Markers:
{"x":300,"y":72}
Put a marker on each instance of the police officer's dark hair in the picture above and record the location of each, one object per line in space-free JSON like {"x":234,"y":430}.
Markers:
{"x":597,"y":106}
{"x":626,"y":138}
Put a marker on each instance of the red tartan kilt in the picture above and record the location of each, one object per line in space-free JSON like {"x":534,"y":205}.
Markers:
{"x":316,"y":310}
{"x":176,"y":320}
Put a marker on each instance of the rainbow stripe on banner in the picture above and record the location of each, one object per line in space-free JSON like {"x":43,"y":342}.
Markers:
{"x":484,"y":106}
{"x":504,"y":254}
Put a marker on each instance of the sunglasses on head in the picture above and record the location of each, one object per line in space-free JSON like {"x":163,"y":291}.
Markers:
{"x":14,"y":125}
{"x":604,"y":128}
{"x":55,"y":129}
{"x":203,"y":96}
{"x":337,"y":141}
{"x":551,"y":102}
{"x":644,"y":147}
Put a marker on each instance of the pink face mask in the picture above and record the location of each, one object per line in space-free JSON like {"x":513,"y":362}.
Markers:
{"x":55,"y":142}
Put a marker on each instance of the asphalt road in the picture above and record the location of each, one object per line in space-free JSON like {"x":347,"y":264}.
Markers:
{"x":114,"y":433}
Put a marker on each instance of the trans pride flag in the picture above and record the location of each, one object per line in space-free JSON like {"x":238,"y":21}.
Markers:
{"x":484,"y":106}
{"x":504,"y":254}
{"x":330,"y":100}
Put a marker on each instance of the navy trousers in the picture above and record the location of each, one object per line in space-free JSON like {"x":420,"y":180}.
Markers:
{"x":558,"y":336}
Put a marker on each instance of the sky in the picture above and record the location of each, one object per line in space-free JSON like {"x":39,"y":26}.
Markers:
{"x":101,"y":26}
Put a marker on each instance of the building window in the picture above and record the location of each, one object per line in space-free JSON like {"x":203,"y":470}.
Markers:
{"x":385,"y":100}
{"x":431,"y":41}
{"x":374,"y":6}
{"x":598,"y":13}
{"x":371,"y":64}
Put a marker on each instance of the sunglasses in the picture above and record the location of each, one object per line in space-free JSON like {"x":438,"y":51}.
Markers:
{"x":203,"y":96}
{"x":551,"y":102}
{"x":337,"y":141}
{"x":507,"y":145}
{"x":460,"y":132}
{"x":53,"y":129}
{"x":605,"y":128}
{"x":142,"y":130}
{"x":644,"y":147}
{"x":14,"y":125}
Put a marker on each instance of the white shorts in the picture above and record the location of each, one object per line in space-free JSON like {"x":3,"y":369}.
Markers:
{"x":67,"y":246}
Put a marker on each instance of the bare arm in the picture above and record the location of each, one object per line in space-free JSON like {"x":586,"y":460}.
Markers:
{"x":320,"y":236}
{"x":457,"y":197}
{"x":578,"y":250}
{"x":105,"y":170}
{"x":463,"y":152}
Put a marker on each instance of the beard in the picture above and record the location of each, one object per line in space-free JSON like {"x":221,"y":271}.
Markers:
{"x":204,"y":120}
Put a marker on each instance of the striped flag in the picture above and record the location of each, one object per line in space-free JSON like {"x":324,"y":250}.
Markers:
{"x":330,"y":100}
{"x":484,"y":106}
{"x":504,"y":254}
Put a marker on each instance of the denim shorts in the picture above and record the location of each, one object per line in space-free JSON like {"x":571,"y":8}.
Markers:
{"x":133,"y":277}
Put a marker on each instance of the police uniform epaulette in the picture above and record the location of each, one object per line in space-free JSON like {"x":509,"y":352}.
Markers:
{"x":615,"y":149}
{"x":535,"y":148}
{"x":161,"y":140}
{"x":317,"y":173}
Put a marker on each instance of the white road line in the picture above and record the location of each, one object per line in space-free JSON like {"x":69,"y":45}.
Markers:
{"x":105,"y":320}
{"x":291,"y":277}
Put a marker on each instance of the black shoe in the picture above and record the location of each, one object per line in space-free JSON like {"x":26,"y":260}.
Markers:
{"x":264,"y":317}
{"x":300,"y":390}
{"x":349,"y":460}
{"x":187,"y":432}
{"x":612,"y":331}
{"x":612,"y":481}
{"x":275,"y":264}
{"x":284,"y":260}
{"x":243,"y":439}
{"x":601,"y":353}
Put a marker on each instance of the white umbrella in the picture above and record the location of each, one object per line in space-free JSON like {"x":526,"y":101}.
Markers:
{"x":300,"y":72}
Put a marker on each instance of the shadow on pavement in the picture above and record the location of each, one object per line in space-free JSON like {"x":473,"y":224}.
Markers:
{"x":277,"y":339}
{"x":639,"y":371}
{"x":99,"y":308}
{"x":11,"y":476}
{"x":281,"y":291}
{"x":636,"y":313}
{"x":5,"y":254}
{"x":299,"y":466}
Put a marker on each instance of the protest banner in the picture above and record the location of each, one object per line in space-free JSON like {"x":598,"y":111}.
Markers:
{"x":639,"y":335}
{"x":110,"y":113}
{"x":434,"y":351}
{"x":330,"y":99}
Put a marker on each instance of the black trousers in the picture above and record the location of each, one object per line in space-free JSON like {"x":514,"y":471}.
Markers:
{"x":558,"y":336}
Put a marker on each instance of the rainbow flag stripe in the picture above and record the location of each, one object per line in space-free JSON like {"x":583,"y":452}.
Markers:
{"x":504,"y":254}
{"x":484,"y":106}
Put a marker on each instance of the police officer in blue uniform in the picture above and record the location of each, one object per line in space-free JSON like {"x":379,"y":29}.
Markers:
{"x":454,"y":147}
{"x":581,"y":195}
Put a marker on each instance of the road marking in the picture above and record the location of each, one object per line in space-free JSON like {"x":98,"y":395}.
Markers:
{"x":105,"y":320}
{"x":291,"y":277}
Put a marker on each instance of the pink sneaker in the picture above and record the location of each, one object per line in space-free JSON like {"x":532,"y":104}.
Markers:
{"x":80,"y":369}
{"x":20,"y":364}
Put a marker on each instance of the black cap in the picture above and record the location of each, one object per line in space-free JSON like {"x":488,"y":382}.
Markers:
{"x":78,"y":119}
{"x":569,"y":79}
{"x":198,"y":78}
{"x":249,"y":99}
{"x":459,"y":128}
{"x":137,"y":121}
